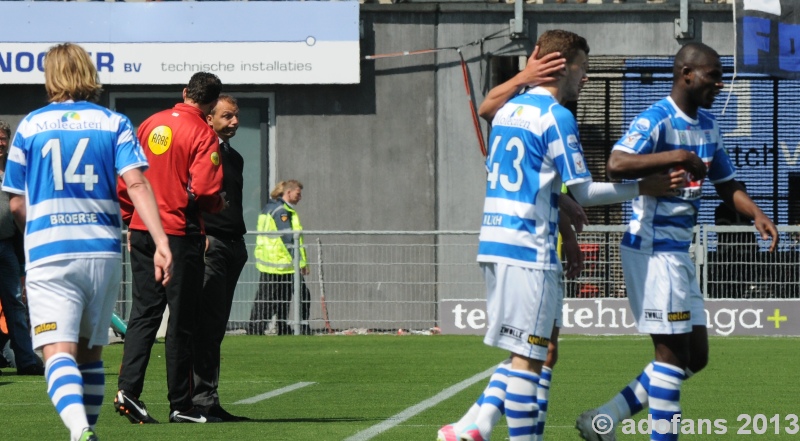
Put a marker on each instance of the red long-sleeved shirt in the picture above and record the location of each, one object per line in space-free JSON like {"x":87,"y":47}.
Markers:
{"x":185,"y":170}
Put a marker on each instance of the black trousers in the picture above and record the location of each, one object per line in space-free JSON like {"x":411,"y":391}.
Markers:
{"x":274,"y":297}
{"x":225,"y":260}
{"x":150,"y":298}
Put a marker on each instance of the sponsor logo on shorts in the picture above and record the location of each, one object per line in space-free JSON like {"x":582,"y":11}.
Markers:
{"x":44,"y":327}
{"x":681,"y":316}
{"x":538,"y":341}
{"x":511,"y":332}
{"x":653,"y":315}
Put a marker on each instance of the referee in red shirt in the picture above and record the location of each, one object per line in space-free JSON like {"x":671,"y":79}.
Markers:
{"x":186,"y":175}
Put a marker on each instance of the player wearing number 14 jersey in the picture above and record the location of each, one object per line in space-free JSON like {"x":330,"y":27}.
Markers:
{"x":62,"y":173}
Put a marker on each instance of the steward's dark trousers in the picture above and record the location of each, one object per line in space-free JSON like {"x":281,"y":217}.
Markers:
{"x":225,"y":260}
{"x":149,"y":300}
{"x":274,"y":297}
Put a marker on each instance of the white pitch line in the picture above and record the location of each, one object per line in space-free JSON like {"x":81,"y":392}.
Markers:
{"x":418,"y":408}
{"x":274,"y":393}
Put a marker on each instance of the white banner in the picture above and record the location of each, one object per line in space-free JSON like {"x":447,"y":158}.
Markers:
{"x":160,"y":43}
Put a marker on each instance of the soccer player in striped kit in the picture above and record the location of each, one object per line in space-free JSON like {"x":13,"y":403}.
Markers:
{"x":62,"y":173}
{"x":535,"y":146}
{"x":663,"y":289}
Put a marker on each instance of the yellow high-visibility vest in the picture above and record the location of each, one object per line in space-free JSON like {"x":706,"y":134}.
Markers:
{"x":272,"y":255}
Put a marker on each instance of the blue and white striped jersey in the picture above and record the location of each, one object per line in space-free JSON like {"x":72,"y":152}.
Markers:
{"x":665,"y":223}
{"x":534,"y":148}
{"x":65,"y":158}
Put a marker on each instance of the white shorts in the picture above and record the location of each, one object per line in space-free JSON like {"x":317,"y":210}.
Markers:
{"x":71,"y":299}
{"x":521,"y":307}
{"x":663,"y":292}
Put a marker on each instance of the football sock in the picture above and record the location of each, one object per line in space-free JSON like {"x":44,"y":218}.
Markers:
{"x":65,"y":387}
{"x":468,"y":417}
{"x":630,"y":400}
{"x":493,"y":404}
{"x":542,"y":397}
{"x":665,"y":397}
{"x":94,"y":386}
{"x":522,"y":409}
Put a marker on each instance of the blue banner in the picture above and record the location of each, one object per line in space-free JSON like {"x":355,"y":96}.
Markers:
{"x":768,"y":37}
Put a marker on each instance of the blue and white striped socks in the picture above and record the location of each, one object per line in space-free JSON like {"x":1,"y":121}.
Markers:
{"x":665,"y":397}
{"x":542,"y":397}
{"x":65,"y":387}
{"x":94,"y":387}
{"x":492,"y":402}
{"x":630,"y":400}
{"x":522,"y":407}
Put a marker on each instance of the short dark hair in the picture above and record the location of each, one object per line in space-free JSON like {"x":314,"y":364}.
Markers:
{"x":5,"y":128}
{"x":557,"y":40}
{"x":228,"y":99}
{"x":203,"y":88}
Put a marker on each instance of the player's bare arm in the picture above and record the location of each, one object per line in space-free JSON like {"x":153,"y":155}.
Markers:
{"x":537,"y":71}
{"x":734,"y":194}
{"x":569,"y":244}
{"x":141,"y":195}
{"x":622,"y":165}
{"x":573,"y":211}
{"x":663,"y":184}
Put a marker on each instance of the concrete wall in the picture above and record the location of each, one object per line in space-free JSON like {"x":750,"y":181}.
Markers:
{"x":398,"y":151}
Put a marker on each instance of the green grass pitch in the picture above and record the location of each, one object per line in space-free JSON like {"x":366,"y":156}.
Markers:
{"x":361,"y":381}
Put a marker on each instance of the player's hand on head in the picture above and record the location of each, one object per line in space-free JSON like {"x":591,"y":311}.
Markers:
{"x":542,"y":70}
{"x":663,"y":184}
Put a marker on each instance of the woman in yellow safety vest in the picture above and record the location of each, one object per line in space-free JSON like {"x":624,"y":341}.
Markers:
{"x":274,"y":258}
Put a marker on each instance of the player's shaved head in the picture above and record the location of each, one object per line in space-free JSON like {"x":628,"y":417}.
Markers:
{"x":69,"y":74}
{"x":693,"y":55}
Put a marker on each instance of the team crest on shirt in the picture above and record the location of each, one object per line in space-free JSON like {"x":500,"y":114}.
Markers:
{"x":215,"y":158}
{"x":284,"y":217}
{"x":572,"y":142}
{"x":159,"y":140}
{"x":44,"y":327}
{"x":580,"y":166}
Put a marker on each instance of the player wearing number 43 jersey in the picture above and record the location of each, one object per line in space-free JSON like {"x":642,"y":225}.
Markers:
{"x":535,"y":146}
{"x":62,"y":173}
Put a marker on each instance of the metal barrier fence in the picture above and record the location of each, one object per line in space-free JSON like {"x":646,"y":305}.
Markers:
{"x":384,"y":281}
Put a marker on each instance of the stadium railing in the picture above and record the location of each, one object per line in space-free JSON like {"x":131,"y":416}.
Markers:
{"x":382,"y":281}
